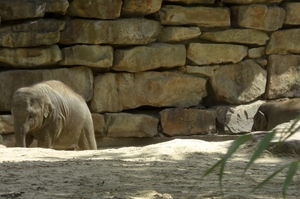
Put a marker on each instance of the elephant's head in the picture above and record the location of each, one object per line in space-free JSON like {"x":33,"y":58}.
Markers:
{"x":29,"y":109}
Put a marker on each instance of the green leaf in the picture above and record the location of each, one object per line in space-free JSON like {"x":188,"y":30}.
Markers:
{"x":290,"y":174}
{"x":261,"y":147}
{"x":268,"y":178}
{"x":292,"y":129}
{"x":211,"y":168}
{"x":234,"y":146}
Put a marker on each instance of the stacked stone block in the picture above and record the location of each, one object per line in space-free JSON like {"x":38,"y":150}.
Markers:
{"x":154,"y":68}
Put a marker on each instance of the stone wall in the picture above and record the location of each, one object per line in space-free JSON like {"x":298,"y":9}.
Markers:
{"x":153,"y":69}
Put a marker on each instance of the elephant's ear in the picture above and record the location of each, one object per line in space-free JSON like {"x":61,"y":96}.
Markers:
{"x":47,"y":106}
{"x":260,"y":122}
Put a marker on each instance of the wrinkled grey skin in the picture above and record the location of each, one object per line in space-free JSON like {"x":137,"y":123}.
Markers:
{"x":273,"y":113}
{"x":53,"y":114}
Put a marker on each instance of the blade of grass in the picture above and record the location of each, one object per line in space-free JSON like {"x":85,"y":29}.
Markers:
{"x":290,"y":174}
{"x":264,"y":143}
{"x":267,"y":179}
{"x":211,"y":169}
{"x":234,"y":146}
{"x":292,"y":129}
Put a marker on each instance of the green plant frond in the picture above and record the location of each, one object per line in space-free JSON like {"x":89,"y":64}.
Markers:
{"x":292,"y":130}
{"x":233,"y":147}
{"x":290,"y":174}
{"x":268,"y":178}
{"x":260,"y":149}
{"x":211,"y":169}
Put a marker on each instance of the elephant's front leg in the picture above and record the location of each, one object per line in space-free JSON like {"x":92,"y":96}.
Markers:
{"x":29,"y":140}
{"x":44,"y":140}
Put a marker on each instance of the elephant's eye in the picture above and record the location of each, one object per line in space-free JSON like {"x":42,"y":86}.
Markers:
{"x":31,"y":116}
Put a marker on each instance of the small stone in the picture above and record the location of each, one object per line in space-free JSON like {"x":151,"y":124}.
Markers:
{"x":256,"y":52}
{"x":206,"y":71}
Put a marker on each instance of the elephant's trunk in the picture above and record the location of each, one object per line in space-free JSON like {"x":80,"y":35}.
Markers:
{"x":20,"y":134}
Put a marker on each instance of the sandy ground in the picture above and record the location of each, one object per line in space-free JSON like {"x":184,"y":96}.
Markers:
{"x":160,"y":171}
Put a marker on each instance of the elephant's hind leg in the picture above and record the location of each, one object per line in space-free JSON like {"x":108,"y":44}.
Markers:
{"x":87,"y":139}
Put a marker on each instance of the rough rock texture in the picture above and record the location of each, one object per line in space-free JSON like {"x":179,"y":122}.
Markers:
{"x":26,"y":9}
{"x":238,"y":36}
{"x":256,"y":52}
{"x":258,"y":16}
{"x":131,"y":31}
{"x":80,"y":79}
{"x":236,"y":119}
{"x":88,"y":55}
{"x":100,"y":9}
{"x":290,"y":145}
{"x":123,"y":125}
{"x":292,"y":13}
{"x":177,"y":34}
{"x":142,"y":58}
{"x":175,"y":122}
{"x":99,"y":125}
{"x":206,"y":17}
{"x":206,"y":71}
{"x":251,"y":1}
{"x":117,"y":92}
{"x":31,"y":33}
{"x":140,"y":7}
{"x":30,"y":57}
{"x":284,"y":41}
{"x":192,"y":1}
{"x":204,"y":54}
{"x":239,"y":83}
{"x":283,"y":76}
{"x":6,"y":124}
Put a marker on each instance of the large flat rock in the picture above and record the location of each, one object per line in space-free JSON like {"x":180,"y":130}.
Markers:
{"x":31,"y":33}
{"x":153,"y":56}
{"x":130,"y":31}
{"x":121,"y":91}
{"x":30,"y":57}
{"x":203,"y":17}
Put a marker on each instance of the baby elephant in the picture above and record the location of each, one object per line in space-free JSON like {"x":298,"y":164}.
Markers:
{"x":273,"y":113}
{"x":53,"y":114}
